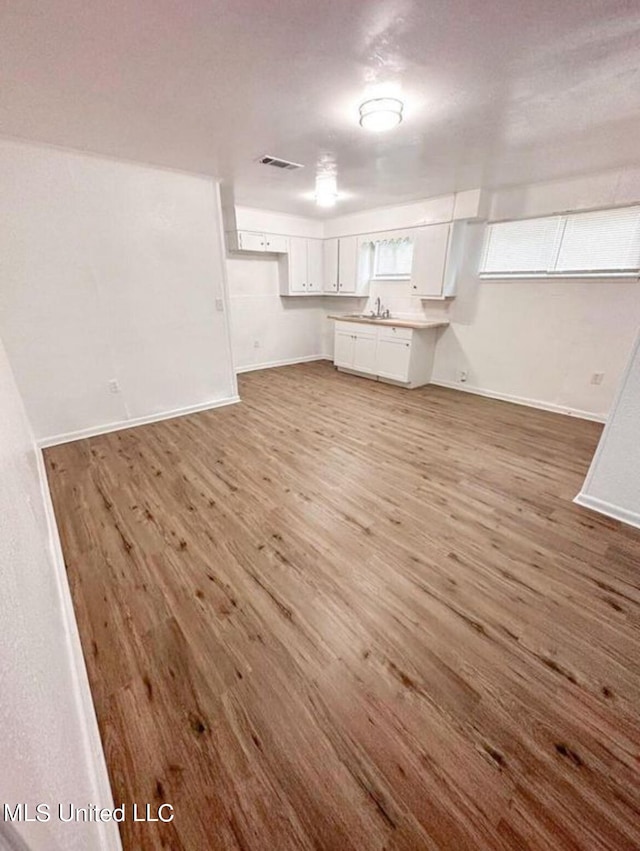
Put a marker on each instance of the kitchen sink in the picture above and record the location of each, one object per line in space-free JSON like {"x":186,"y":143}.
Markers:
{"x":366,"y":316}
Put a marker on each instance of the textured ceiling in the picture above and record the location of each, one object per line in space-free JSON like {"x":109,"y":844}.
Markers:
{"x":496,"y":92}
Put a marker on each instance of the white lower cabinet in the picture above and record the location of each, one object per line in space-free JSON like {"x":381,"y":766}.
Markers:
{"x":385,"y":352}
{"x":364,"y":350}
{"x":393,"y":358}
{"x":344,"y":347}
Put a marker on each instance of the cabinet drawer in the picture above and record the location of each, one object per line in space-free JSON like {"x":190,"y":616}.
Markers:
{"x":393,"y":332}
{"x":358,"y":329}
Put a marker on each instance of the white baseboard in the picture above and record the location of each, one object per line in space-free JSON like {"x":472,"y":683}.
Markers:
{"x":522,"y":400}
{"x":70,"y":436}
{"x":286,"y":362}
{"x":107,"y":833}
{"x":632,"y":518}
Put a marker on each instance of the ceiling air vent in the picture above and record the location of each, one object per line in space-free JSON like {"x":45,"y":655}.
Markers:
{"x":277,"y":163}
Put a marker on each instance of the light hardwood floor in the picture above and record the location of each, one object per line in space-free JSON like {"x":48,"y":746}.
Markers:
{"x":342,"y":615}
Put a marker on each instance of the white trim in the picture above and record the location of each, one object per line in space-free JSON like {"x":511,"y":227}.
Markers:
{"x":635,"y":353}
{"x":70,"y":436}
{"x":224,"y":290}
{"x":521,"y":400}
{"x":253,"y":367}
{"x":602,"y":507}
{"x":107,"y":833}
{"x":633,"y":275}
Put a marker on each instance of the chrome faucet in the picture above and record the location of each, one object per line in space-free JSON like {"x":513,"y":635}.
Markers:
{"x":379,"y":312}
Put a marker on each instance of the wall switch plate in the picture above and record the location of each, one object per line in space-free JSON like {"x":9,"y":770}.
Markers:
{"x":114,"y":387}
{"x":597,"y":377}
{"x":219,"y":304}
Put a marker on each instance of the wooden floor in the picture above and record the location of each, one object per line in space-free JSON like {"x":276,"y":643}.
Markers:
{"x":342,"y":615}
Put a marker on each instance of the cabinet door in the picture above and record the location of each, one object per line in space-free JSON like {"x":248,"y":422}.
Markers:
{"x":392,"y":358}
{"x":344,"y":349}
{"x":330,"y":265}
{"x":364,"y":352}
{"x":364,"y":250}
{"x":275,"y":243}
{"x":297,"y":265}
{"x":314,"y":265}
{"x":429,"y":260}
{"x":248,"y":241}
{"x":347,"y":264}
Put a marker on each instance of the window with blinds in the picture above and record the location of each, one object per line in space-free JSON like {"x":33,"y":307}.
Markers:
{"x":392,"y":258}
{"x":606,"y":242}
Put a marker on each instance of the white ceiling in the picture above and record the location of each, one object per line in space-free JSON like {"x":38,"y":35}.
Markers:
{"x":497,"y":92}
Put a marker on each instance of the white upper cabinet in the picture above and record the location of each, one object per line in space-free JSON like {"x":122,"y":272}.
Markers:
{"x":330,"y":272}
{"x":347,"y":264}
{"x":301,"y":270}
{"x":293,"y":268}
{"x":430,"y":247}
{"x":245,"y":240}
{"x":344,"y":266}
{"x":436,"y":253}
{"x":343,"y":271}
{"x":276,"y":243}
{"x":314,"y":266}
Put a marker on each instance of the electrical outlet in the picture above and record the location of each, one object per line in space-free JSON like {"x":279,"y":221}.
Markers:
{"x":256,"y":344}
{"x":597,"y":377}
{"x":114,"y":387}
{"x":219,"y":304}
{"x":463,"y":375}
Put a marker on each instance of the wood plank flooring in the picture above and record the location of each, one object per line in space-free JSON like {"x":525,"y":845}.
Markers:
{"x":342,"y":615}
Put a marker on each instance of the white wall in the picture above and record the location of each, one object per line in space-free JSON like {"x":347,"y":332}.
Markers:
{"x":50,"y":744}
{"x":271,"y":221}
{"x":541,"y":341}
{"x":267,"y":329}
{"x":109,"y":271}
{"x":612,"y":485}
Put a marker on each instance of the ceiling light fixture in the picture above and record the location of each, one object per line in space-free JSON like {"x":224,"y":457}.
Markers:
{"x":380,"y":114}
{"x":326,"y":193}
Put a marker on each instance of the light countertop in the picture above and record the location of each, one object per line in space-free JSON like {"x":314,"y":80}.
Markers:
{"x":399,"y":323}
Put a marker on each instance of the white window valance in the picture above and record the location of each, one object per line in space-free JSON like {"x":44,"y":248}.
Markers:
{"x":388,"y":237}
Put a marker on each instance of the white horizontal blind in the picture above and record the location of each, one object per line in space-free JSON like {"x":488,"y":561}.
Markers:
{"x":608,"y":240}
{"x":393,"y":258}
{"x":526,"y":246}
{"x":602,"y":242}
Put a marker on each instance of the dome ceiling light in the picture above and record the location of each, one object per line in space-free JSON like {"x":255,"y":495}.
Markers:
{"x":379,"y":114}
